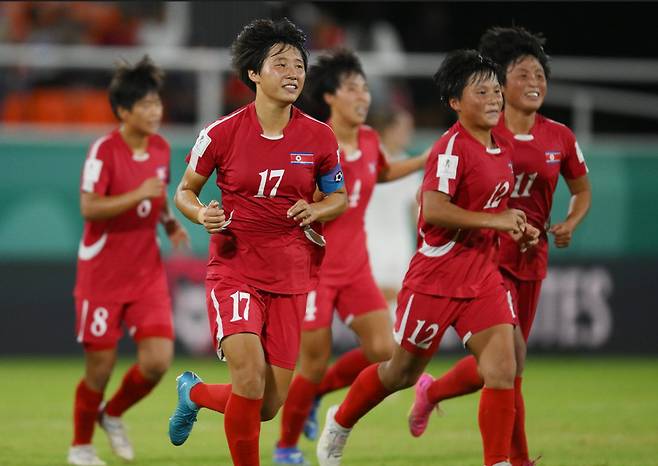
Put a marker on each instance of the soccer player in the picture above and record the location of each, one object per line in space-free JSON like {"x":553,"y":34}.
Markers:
{"x":453,"y":278}
{"x":120,"y":275}
{"x":338,"y":83}
{"x":543,"y":150}
{"x":265,"y":244}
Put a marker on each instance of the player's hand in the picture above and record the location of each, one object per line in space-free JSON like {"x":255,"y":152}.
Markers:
{"x":510,"y":220}
{"x":177,"y":235}
{"x":562,"y":232}
{"x":151,"y":188}
{"x":303,"y":212}
{"x":528,"y":239}
{"x":212,"y":217}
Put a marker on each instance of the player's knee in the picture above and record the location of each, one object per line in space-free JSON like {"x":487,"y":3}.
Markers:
{"x":380,"y":350}
{"x":398,"y":378}
{"x":154,"y":369}
{"x":499,"y":374}
{"x":249,"y":383}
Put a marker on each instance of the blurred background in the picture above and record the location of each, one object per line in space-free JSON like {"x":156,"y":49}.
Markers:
{"x":56,"y":60}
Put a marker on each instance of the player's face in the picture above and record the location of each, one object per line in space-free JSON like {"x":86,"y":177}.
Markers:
{"x":480,"y":104}
{"x":146,"y":114}
{"x":282,"y":76}
{"x":351,"y":100}
{"x":525,"y":88}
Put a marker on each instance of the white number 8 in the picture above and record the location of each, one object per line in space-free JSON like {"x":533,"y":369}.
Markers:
{"x":99,"y":326}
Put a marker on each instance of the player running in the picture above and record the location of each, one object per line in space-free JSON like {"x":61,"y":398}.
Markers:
{"x":265,"y":244}
{"x":338,"y":84}
{"x":120,"y":275}
{"x":453,"y":278}
{"x":543,"y":150}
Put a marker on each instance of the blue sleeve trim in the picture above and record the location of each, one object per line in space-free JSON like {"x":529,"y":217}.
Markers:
{"x":332,"y":181}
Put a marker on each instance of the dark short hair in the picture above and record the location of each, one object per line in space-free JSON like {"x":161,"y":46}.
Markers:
{"x":254,"y":42}
{"x":508,"y":45}
{"x":132,"y":83}
{"x":461,"y":67}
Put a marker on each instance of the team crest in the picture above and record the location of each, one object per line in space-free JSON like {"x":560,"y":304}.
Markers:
{"x":161,"y":173}
{"x":301,"y":158}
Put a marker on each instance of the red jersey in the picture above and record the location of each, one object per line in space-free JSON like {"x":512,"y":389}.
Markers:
{"x":538,"y":159}
{"x":347,"y":252}
{"x":462,"y":263}
{"x":260,"y":179}
{"x":119,"y":258}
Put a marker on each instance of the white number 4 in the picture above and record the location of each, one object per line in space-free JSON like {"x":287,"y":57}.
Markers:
{"x":268,"y":175}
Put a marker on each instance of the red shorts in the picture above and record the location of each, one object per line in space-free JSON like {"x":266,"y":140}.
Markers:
{"x":98,"y":322}
{"x":422,"y":319}
{"x":525,"y":296}
{"x":357,"y":298}
{"x":235,"y":307}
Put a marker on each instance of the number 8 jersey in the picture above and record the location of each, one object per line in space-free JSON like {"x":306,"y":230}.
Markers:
{"x":462,"y":263}
{"x":260,"y":178}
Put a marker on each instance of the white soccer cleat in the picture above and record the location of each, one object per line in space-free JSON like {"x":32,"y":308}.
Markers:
{"x":332,"y":440}
{"x":84,"y":455}
{"x":116,"y":433}
{"x":503,"y":463}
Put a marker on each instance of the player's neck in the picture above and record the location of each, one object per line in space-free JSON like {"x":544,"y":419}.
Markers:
{"x":346,"y":134}
{"x":519,"y":122}
{"x":273,"y":117}
{"x":136,"y":140}
{"x":482,"y":135}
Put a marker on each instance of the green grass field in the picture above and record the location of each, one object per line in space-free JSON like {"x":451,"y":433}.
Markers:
{"x":581,"y":412}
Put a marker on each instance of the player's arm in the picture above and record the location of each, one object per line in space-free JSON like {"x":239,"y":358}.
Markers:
{"x":326,"y":207}
{"x":94,"y":206}
{"x":187,"y":201}
{"x":581,"y":200}
{"x":402,"y":168}
{"x":175,"y":230}
{"x":438,"y":210}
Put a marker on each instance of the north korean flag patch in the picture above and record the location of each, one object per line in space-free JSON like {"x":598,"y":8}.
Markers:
{"x":301,"y":158}
{"x":553,"y":156}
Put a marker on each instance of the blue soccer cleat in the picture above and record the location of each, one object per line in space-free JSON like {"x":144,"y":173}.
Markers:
{"x":184,"y":417}
{"x":311,"y":423}
{"x":289,"y":455}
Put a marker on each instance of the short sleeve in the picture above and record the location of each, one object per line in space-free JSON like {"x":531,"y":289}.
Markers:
{"x":443,"y":170}
{"x":573,"y":166}
{"x":203,"y":156}
{"x":382,"y":159}
{"x":97,"y":168}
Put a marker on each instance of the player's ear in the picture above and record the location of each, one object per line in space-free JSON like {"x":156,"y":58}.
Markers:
{"x":253,"y":76}
{"x":455,"y":104}
{"x":328,"y":98}
{"x":123,"y":112}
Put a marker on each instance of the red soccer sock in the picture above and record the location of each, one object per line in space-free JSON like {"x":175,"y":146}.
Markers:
{"x":295,"y":410}
{"x":211,"y":396}
{"x":85,"y":412}
{"x":496,"y":419}
{"x":134,"y":387}
{"x":462,"y":379}
{"x":519,"y":451}
{"x":344,"y":371}
{"x":365,"y":393}
{"x":242,"y":427}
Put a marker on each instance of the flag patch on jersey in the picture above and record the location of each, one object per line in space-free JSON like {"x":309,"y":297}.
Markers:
{"x":301,"y":158}
{"x":553,"y":156}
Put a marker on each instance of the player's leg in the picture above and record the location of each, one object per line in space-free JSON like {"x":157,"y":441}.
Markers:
{"x":313,"y":361}
{"x":98,"y":329}
{"x":314,"y":357}
{"x":526,"y":307}
{"x":361,"y":306}
{"x":489,"y":321}
{"x":418,"y":334}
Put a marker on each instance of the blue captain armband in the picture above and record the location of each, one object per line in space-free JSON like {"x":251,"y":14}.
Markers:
{"x":332,"y":181}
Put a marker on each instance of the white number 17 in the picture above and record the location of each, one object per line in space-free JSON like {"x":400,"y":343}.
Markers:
{"x":268,"y":175}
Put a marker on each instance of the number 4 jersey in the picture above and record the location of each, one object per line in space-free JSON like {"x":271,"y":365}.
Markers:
{"x":538,"y":159}
{"x":260,"y":178}
{"x":453,"y":262}
{"x":119,"y":258}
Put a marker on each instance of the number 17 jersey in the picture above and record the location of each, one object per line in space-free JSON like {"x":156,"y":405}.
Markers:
{"x":260,"y":178}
